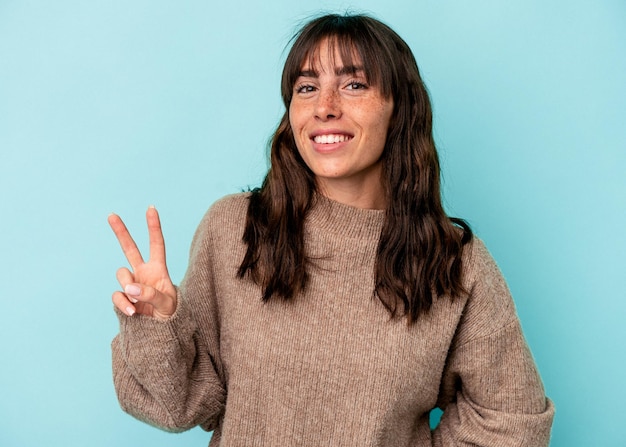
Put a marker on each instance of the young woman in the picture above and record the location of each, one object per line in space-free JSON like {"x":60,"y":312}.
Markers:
{"x":337,"y":304}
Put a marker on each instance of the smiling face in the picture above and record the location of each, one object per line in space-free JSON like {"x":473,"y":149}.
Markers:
{"x":340,"y":125}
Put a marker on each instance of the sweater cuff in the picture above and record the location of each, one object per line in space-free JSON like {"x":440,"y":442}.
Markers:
{"x":139,"y":332}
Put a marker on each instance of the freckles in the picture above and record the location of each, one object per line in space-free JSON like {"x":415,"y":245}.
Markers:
{"x":376,"y":104}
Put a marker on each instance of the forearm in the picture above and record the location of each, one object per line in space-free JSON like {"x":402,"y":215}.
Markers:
{"x":163,"y":375}
{"x":464,"y":423}
{"x":492,"y":395}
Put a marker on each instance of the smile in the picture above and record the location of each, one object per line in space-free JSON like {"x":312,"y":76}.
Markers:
{"x":331,"y":138}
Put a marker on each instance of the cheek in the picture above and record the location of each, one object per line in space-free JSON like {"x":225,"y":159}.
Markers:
{"x":384,"y":120}
{"x":298,"y":135}
{"x":379,"y":123}
{"x":380,"y":131}
{"x":296,"y":124}
{"x":291,"y":120}
{"x":297,"y":113}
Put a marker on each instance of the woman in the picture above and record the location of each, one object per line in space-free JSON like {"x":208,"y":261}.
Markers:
{"x":337,"y":304}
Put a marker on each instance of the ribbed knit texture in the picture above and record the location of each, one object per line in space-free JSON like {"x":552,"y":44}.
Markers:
{"x":330,"y":368}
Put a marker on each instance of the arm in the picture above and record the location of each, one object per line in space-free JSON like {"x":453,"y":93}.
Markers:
{"x":164,"y":372}
{"x":491,"y":392}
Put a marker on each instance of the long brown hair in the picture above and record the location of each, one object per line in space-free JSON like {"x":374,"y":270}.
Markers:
{"x":420,"y":247}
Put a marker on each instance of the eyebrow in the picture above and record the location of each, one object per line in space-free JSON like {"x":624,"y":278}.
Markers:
{"x":339,"y":71}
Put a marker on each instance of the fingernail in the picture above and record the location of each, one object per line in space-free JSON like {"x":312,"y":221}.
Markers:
{"x":132,"y":289}
{"x":130,"y":311}
{"x":132,"y":300}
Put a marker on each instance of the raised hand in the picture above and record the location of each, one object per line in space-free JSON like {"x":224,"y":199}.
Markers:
{"x":147,"y":287}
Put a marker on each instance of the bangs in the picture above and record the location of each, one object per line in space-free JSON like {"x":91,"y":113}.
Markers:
{"x":341,"y":46}
{"x":350,"y":38}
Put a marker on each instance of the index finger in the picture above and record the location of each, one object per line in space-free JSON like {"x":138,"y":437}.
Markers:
{"x":155,"y":233}
{"x":132,"y":253}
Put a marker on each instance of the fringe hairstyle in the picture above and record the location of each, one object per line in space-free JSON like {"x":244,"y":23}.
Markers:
{"x":420,"y":248}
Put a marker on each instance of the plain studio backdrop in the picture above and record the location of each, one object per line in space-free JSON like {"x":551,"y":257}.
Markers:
{"x":110,"y":106}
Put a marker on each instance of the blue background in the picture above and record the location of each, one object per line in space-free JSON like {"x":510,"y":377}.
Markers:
{"x":115,"y":105}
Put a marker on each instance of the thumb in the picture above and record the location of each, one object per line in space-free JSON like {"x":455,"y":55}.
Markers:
{"x":163,"y":306}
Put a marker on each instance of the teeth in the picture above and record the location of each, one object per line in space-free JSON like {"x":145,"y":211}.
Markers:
{"x":329,"y":139}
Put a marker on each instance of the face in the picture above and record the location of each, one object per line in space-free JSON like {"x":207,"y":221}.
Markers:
{"x":340,"y":125}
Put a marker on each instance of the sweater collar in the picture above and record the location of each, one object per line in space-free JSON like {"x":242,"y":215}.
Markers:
{"x":344,"y":220}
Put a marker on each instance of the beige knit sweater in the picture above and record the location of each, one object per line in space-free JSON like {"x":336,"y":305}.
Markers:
{"x":330,"y":368}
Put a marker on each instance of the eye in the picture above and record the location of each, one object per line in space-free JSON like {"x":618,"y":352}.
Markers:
{"x":304,"y":88}
{"x":356,"y":85}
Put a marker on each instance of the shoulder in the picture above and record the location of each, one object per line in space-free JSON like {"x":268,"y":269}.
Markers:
{"x":229,"y":207}
{"x":479,"y":265}
{"x":227,"y":213}
{"x":224,"y":220}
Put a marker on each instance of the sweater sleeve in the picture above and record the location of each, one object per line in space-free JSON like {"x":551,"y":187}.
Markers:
{"x":491,"y":393}
{"x":167,"y":372}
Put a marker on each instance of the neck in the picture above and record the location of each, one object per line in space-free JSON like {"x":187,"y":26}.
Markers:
{"x":358,"y":196}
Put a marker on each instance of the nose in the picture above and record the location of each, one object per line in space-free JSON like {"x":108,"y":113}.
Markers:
{"x":328,"y":105}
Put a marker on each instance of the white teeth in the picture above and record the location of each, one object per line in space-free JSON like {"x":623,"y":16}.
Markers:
{"x":329,"y":139}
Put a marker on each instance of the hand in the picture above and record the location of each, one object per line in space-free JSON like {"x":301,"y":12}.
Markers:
{"x":147,"y":287}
